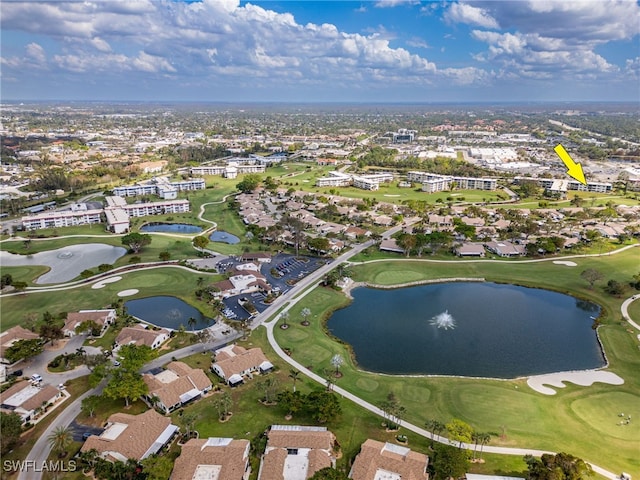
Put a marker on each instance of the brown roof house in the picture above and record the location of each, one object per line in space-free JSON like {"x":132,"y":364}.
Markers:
{"x":296,"y":452}
{"x":11,"y":336}
{"x":28,"y":400}
{"x":378,"y":460}
{"x":234,"y":362}
{"x":102,"y":318}
{"x":213,"y":459}
{"x":176,"y":386}
{"x":132,"y":436}
{"x":141,"y":335}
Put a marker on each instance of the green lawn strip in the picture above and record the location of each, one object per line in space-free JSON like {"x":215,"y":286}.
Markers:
{"x":75,"y":388}
{"x":527,"y":418}
{"x":26,"y":273}
{"x":175,"y":281}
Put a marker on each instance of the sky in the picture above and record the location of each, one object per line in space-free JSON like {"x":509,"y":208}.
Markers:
{"x":321,"y":51}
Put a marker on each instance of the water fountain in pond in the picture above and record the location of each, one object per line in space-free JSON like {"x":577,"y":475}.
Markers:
{"x":443,"y":320}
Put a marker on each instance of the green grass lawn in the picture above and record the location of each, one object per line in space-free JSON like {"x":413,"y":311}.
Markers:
{"x":580,"y":420}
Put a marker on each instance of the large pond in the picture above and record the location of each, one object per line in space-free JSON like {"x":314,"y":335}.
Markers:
{"x":170,"y":228}
{"x":223,"y":237}
{"x":65,"y":263}
{"x":469,"y":329}
{"x":167,"y":312}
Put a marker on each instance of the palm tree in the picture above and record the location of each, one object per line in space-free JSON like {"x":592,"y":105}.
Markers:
{"x":305,"y":313}
{"x":285,"y":316}
{"x":435,"y":427}
{"x":60,"y":439}
{"x":192,"y":321}
{"x":484,"y":439}
{"x":294,"y":375}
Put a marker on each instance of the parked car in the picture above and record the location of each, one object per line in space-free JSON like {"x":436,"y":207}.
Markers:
{"x":16,"y":373}
{"x":36,"y":378}
{"x":86,"y":435}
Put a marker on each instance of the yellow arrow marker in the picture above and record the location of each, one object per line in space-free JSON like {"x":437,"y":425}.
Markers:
{"x":575,"y":169}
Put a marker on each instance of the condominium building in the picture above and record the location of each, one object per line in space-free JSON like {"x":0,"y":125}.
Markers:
{"x":66,"y":218}
{"x":432,"y":182}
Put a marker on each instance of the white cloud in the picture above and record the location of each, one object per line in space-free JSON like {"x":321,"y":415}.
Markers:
{"x":395,"y":3}
{"x":465,"y":13}
{"x":218,"y":41}
{"x":417,"y":42}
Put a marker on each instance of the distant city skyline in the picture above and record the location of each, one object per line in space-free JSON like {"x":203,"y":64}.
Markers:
{"x":321,"y":51}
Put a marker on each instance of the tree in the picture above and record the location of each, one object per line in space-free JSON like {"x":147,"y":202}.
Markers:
{"x":201,"y":241}
{"x":284,"y":316}
{"x":89,"y":405}
{"x":188,"y":420}
{"x":305,"y":313}
{"x":329,"y":473}
{"x":135,"y":241}
{"x":484,"y":438}
{"x":133,"y":357}
{"x":51,"y":332}
{"x":90,"y":326}
{"x":435,"y":427}
{"x":222,"y":403}
{"x":319,"y":244}
{"x":249,"y":183}
{"x":449,"y":462}
{"x":291,"y":401}
{"x":157,"y":467}
{"x":561,"y":466}
{"x":125,"y":384}
{"x":191,"y":322}
{"x":294,"y":375}
{"x":60,"y":439}
{"x":296,"y":228}
{"x":337,"y":361}
{"x":11,"y":428}
{"x":591,"y":275}
{"x":268,"y":387}
{"x":614,"y":287}
{"x":24,"y":349}
{"x":164,"y":255}
{"x":323,"y":406}
{"x":459,"y":431}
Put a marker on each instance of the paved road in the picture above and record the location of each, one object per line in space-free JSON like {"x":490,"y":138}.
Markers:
{"x":39,"y":364}
{"x":625,"y":310}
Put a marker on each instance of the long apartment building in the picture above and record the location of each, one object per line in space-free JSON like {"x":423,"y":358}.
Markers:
{"x":57,"y":219}
{"x":561,"y":185}
{"x":432,"y":182}
{"x":364,"y":182}
{"x":161,"y":187}
{"x":116,"y":214}
{"x":230,"y":170}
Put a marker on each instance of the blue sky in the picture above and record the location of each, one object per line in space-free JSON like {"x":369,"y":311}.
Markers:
{"x":321,"y":51}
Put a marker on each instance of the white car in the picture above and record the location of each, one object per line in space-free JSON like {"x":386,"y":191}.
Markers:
{"x":35,"y":378}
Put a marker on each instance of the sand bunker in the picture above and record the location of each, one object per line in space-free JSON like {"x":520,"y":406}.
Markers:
{"x":565,"y":262}
{"x":585,"y":378}
{"x":128,"y":293}
{"x":104,"y":282}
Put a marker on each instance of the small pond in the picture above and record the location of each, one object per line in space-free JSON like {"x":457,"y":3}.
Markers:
{"x":167,"y":312}
{"x":223,"y":237}
{"x":170,"y":228}
{"x":65,"y":263}
{"x":469,"y":329}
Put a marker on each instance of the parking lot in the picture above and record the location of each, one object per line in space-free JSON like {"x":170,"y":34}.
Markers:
{"x":281,"y":273}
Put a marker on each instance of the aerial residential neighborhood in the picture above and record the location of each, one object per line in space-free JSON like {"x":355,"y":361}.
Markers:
{"x":384,"y":240}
